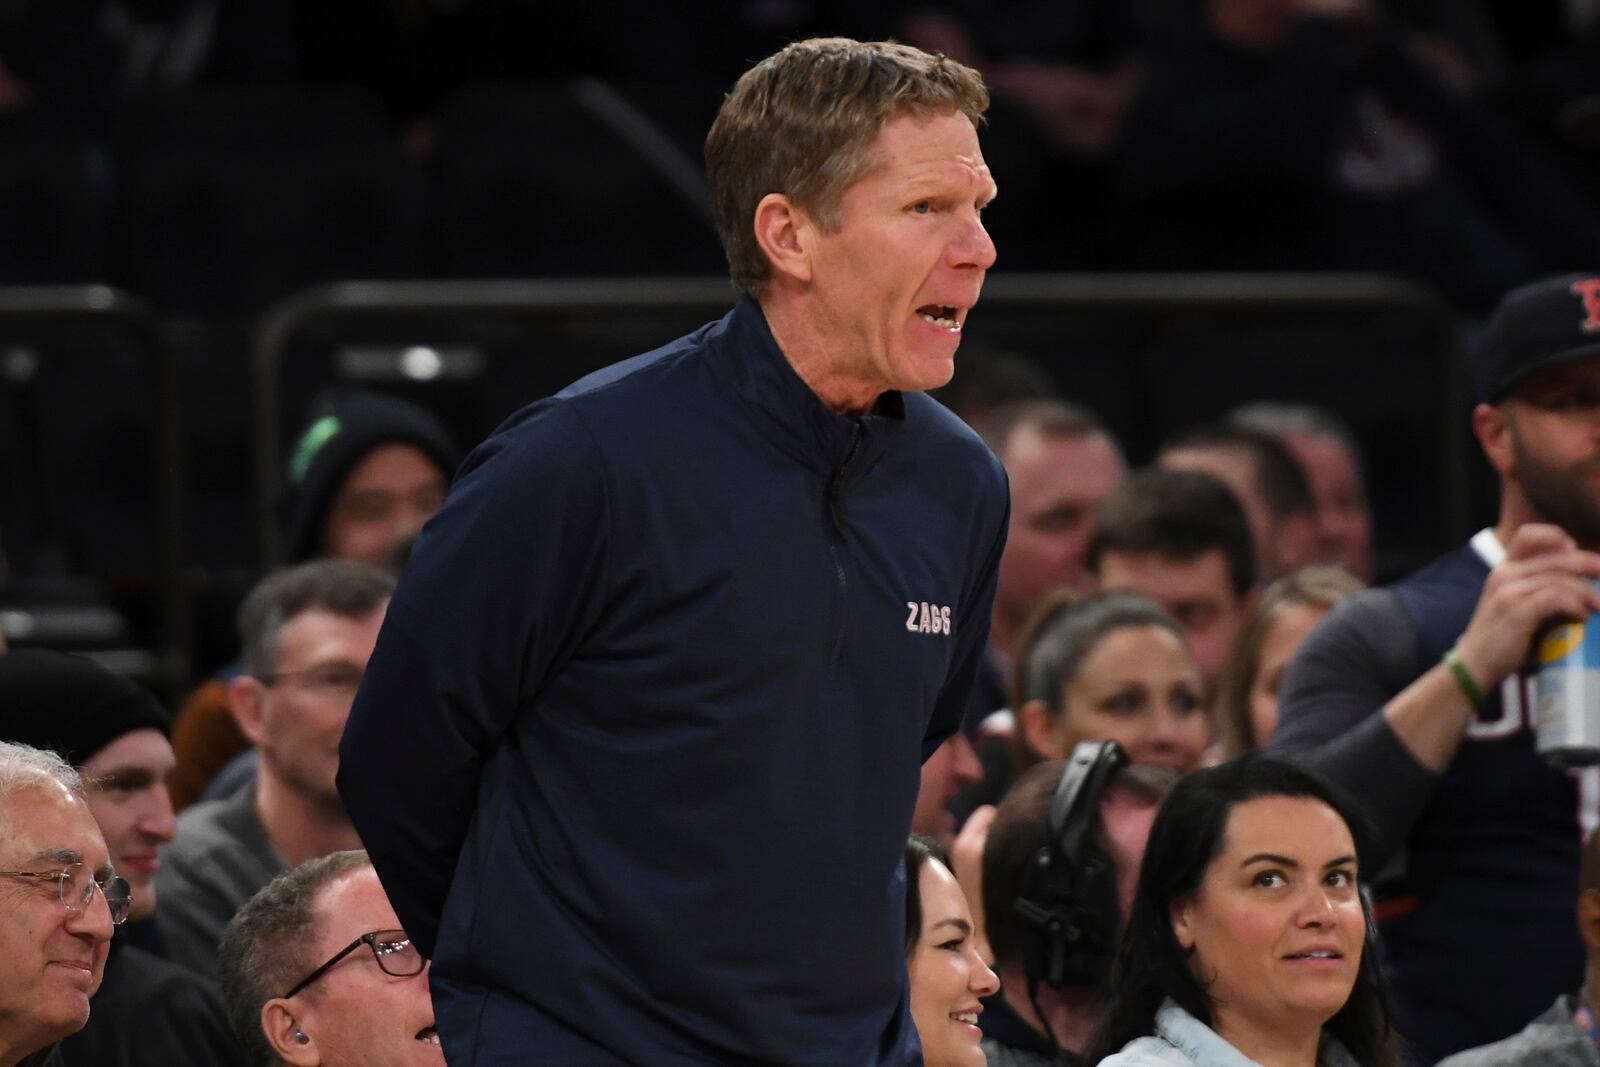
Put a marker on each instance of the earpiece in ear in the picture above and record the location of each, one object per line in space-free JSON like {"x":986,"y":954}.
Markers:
{"x":300,"y":1038}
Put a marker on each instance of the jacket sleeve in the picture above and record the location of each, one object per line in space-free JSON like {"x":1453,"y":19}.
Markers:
{"x":1329,"y":713}
{"x":502,"y":585}
{"x":972,"y":634}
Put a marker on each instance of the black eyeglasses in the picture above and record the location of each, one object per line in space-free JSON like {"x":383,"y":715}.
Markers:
{"x":395,"y":954}
{"x":76,"y":885}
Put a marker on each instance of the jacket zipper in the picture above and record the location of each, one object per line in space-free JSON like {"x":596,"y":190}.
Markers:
{"x":837,"y":544}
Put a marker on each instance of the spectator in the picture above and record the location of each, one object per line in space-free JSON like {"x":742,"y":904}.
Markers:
{"x":308,"y":632}
{"x":1331,"y":458}
{"x":1289,"y":609}
{"x":318,"y":973}
{"x":57,"y":927}
{"x":1268,"y":483}
{"x":148,"y":1012}
{"x":1248,"y":941}
{"x":947,"y":975}
{"x":1062,"y":463}
{"x":363,"y":476}
{"x":1047,"y":872}
{"x":1410,"y":696}
{"x":1564,"y":1035}
{"x":1181,"y":539}
{"x":1113,"y":666}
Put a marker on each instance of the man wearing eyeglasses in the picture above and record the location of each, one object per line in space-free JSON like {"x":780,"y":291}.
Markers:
{"x":307,"y":634}
{"x":59,"y":898}
{"x":149,"y":1011}
{"x":318,"y":973}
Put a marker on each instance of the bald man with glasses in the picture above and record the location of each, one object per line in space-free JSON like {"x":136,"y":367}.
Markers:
{"x":59,"y":900}
{"x":317,"y":972}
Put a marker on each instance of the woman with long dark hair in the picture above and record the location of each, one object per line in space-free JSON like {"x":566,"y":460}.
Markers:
{"x":948,"y":978}
{"x":1250,"y":938}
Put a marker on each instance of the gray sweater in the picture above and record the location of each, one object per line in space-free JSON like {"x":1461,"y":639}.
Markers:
{"x":221,"y":859}
{"x":1554,"y":1039}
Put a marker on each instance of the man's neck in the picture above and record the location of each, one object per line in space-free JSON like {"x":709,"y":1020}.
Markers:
{"x":297,"y":827}
{"x":805,"y":341}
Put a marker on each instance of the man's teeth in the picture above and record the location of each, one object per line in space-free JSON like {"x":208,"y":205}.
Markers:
{"x":946,"y":320}
{"x":968,"y":1017}
{"x":430,"y":1036}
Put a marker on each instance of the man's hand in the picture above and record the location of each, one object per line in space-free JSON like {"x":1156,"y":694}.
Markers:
{"x":1545,"y":577}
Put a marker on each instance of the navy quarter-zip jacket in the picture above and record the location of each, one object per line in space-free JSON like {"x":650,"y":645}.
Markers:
{"x":637,"y":750}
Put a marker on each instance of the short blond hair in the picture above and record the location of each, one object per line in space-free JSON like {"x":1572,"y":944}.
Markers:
{"x":802,"y":123}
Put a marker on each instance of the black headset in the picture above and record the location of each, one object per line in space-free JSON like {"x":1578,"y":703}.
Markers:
{"x":1069,"y":893}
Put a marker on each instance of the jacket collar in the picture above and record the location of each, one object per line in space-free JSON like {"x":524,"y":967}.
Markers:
{"x":743,"y":350}
{"x":1206,"y":1048}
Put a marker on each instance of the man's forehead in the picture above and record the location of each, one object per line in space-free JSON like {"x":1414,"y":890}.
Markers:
{"x":1162,"y":569}
{"x":48,"y":824}
{"x":929,"y":148}
{"x":351,"y":905}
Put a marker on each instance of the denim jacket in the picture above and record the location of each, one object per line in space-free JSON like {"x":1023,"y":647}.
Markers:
{"x":1181,"y":1040}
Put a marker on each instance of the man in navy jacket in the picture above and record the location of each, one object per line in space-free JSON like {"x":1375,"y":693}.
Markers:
{"x":638,"y":749}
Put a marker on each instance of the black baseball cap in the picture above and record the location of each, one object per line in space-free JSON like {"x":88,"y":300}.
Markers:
{"x":1537,"y":326}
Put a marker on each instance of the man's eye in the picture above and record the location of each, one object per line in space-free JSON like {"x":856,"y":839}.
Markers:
{"x":922,"y":207}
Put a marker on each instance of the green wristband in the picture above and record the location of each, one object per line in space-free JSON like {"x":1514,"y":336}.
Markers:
{"x":1465,"y":680}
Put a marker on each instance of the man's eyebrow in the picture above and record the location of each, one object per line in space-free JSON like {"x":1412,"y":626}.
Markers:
{"x":130,"y":776}
{"x":57,"y":855}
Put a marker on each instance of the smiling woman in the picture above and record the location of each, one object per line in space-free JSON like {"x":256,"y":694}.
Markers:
{"x":948,"y":977}
{"x":1248,"y":942}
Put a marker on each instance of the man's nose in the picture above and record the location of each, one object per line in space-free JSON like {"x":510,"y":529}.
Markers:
{"x":973,"y":247}
{"x":93,"y":920}
{"x":158,"y":820}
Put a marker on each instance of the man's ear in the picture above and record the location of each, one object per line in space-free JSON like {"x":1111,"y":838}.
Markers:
{"x":283,"y":1031}
{"x":1493,"y":426}
{"x":247,"y":699}
{"x":783,"y":231}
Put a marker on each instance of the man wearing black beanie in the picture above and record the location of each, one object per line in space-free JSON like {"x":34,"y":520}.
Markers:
{"x":366,"y":471}
{"x":148,"y":1011}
